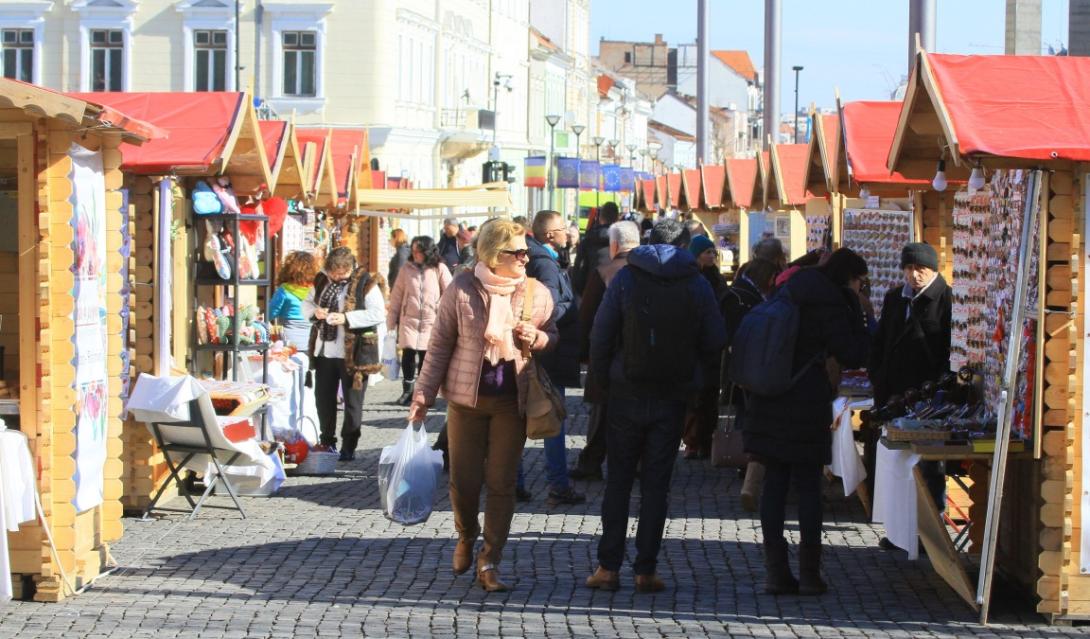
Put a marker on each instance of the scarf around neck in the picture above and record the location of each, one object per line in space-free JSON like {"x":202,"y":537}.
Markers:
{"x":330,"y":300}
{"x":499,"y":334}
{"x":298,"y":290}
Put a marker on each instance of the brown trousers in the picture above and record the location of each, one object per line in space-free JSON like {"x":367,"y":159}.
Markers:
{"x":485,"y":448}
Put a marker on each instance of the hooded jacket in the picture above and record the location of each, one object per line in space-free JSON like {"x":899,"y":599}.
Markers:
{"x":562,"y":364}
{"x":606,"y":347}
{"x":795,"y":427}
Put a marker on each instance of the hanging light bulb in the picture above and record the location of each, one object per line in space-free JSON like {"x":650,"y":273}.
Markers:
{"x":976,"y":180}
{"x":864,"y":193}
{"x":939,"y":181}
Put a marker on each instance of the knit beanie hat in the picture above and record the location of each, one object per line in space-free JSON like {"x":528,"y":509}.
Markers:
{"x":921,"y":254}
{"x":699,"y":244}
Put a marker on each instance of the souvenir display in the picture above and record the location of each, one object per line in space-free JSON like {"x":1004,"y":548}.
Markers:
{"x":214,"y":325}
{"x":878,"y":236}
{"x":819,"y":233}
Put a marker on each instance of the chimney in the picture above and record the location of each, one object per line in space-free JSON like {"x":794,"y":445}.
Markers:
{"x":659,"y":40}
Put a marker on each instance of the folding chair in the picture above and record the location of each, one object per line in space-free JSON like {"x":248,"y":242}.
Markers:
{"x":189,"y":439}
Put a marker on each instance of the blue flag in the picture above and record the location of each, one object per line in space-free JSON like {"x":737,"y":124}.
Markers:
{"x":611,"y":178}
{"x":567,"y":173}
{"x":628,"y":178}
{"x":589,"y":176}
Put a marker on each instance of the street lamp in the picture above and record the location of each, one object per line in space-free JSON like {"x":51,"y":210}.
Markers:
{"x":796,"y":69}
{"x":578,"y":129}
{"x":613,"y":148}
{"x":598,"y":141}
{"x":552,"y":120}
{"x":631,"y":154}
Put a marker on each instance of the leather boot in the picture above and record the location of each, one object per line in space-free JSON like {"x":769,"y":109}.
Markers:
{"x":603,"y":579}
{"x":649,"y":583}
{"x":810,"y":581}
{"x":751,"y":486}
{"x":463,"y":556}
{"x":406,"y":394}
{"x":489,"y":579}
{"x":778,"y":577}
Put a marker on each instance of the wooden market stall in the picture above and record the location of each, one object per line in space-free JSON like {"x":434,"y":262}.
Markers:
{"x":209,"y":134}
{"x":785,"y":196}
{"x":744,"y":191}
{"x":63,"y":286}
{"x":826,"y":206}
{"x":1022,"y":118}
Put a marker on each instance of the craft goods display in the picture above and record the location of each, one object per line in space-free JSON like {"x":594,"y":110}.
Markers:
{"x":878,"y":236}
{"x":214,"y":325}
{"x":819,"y":233}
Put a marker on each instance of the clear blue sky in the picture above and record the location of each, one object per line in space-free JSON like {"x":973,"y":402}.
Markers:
{"x":860,"y":46}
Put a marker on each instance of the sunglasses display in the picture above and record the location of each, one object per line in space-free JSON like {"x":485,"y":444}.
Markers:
{"x":987,"y":234}
{"x":878,"y":237}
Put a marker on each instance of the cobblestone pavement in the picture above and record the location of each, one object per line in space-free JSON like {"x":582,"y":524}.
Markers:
{"x":319,"y":559}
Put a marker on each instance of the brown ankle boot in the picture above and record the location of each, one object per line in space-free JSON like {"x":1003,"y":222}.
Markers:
{"x":489,"y":579}
{"x":603,"y":579}
{"x":463,"y":556}
{"x":649,"y":583}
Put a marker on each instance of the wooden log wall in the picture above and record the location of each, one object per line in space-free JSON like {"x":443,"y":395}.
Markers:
{"x":935,"y":212}
{"x":1060,"y":583}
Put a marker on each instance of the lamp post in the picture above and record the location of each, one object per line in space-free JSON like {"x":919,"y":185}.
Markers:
{"x":631,"y":154}
{"x":578,"y":129}
{"x":598,"y":141}
{"x":500,"y":79}
{"x":552,"y":121}
{"x":795,"y":115}
{"x":613,"y":148}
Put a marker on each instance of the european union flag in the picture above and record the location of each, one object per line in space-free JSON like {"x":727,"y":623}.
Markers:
{"x":567,"y":173}
{"x":589,"y":175}
{"x":611,"y":178}
{"x":628,"y":178}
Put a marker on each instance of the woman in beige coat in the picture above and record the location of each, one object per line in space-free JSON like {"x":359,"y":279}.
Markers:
{"x":413,"y":305}
{"x":475,"y":358}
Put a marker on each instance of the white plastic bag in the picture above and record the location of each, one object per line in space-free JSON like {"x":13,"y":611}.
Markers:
{"x":408,"y":474}
{"x":391,"y":365}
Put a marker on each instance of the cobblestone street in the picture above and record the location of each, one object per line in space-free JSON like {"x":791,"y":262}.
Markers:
{"x":319,"y":559}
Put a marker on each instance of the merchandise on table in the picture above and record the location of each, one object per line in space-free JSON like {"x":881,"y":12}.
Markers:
{"x":878,"y":237}
{"x":819,"y":233}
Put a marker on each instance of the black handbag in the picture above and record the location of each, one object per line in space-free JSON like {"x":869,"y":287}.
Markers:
{"x":728,"y":450}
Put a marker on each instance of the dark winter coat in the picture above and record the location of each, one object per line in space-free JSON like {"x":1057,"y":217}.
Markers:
{"x":734,"y":303}
{"x":908,"y":351}
{"x":397,"y":260}
{"x":448,"y":251}
{"x":795,"y":427}
{"x":597,"y":282}
{"x":593,"y":250}
{"x":562,"y":363}
{"x":606,"y":348}
{"x":715,"y":278}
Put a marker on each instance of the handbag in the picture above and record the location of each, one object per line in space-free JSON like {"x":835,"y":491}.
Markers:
{"x":545,"y":411}
{"x":728,"y":450}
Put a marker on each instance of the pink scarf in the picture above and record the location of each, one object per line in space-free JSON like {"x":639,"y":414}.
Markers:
{"x":499,"y":335}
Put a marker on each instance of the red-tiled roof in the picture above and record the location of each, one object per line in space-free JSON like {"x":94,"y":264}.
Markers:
{"x":739,"y":61}
{"x":742,"y":180}
{"x":791,"y":162}
{"x":714,"y":178}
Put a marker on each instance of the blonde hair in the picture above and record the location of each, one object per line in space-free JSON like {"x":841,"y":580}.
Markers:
{"x":398,"y":238}
{"x":493,"y":236}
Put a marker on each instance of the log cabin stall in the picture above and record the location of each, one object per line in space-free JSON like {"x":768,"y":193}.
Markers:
{"x":63,"y":276}
{"x":1019,"y":124}
{"x":724,"y":221}
{"x":213,"y":139}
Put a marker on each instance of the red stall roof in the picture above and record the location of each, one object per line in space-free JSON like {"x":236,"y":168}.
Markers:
{"x":348,"y":148}
{"x":742,"y":181}
{"x":648,"y":199}
{"x":713,"y":178}
{"x":869,"y":127}
{"x":660,"y":190}
{"x":690,"y":183}
{"x":75,"y":110}
{"x":673,"y":187}
{"x":199,"y":126}
{"x":272,"y":133}
{"x":788,"y":170}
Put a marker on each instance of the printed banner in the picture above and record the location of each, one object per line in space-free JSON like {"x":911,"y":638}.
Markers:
{"x":567,"y":173}
{"x":611,"y":178}
{"x":628,"y":178}
{"x":534,"y":174}
{"x":89,"y":316}
{"x":589,"y":175}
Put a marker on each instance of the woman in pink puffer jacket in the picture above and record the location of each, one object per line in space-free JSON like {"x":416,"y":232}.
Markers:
{"x":413,"y":306}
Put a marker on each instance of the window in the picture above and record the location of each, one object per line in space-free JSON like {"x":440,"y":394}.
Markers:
{"x":300,"y":62}
{"x":628,"y":57}
{"x":18,"y":48}
{"x":107,"y":55}
{"x":210,"y":60}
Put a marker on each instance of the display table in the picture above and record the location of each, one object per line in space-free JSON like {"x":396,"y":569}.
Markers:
{"x":847,"y":463}
{"x":291,"y":407}
{"x":898,"y":482}
{"x":16,"y":496}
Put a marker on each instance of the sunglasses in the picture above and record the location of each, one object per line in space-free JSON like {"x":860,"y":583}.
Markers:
{"x":520,"y":254}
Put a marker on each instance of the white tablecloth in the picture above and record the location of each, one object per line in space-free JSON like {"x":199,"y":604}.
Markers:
{"x":847,"y":464}
{"x":895,"y":497}
{"x":292,"y":406}
{"x":16,"y":496}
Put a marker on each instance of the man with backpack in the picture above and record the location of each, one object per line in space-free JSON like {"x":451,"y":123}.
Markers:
{"x":594,"y":249}
{"x":656,"y":333}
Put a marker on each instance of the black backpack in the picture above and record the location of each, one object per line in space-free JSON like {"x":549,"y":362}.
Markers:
{"x":659,"y":339}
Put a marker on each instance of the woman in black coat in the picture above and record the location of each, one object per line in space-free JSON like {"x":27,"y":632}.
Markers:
{"x":400,"y":257}
{"x":791,"y":433}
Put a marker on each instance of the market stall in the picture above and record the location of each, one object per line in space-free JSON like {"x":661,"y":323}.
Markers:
{"x":744,"y":191}
{"x":63,"y":270}
{"x":786,"y":197}
{"x":1026,"y":161}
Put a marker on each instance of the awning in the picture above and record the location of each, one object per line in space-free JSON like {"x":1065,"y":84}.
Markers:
{"x":485,"y":196}
{"x":869,"y":127}
{"x":74,"y":110}
{"x":787,"y":174}
{"x":673,"y":188}
{"x":690,"y":188}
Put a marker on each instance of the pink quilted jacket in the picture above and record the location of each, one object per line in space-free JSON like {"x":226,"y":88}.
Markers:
{"x":414,"y":303}
{"x":456,"y":350}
